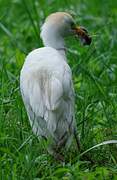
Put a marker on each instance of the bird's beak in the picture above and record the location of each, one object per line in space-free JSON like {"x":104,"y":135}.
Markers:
{"x":82,"y":33}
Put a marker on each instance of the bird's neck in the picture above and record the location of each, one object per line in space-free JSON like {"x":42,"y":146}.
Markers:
{"x":54,"y":40}
{"x":56,"y":43}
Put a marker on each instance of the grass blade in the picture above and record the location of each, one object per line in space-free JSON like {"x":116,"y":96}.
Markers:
{"x":98,"y":145}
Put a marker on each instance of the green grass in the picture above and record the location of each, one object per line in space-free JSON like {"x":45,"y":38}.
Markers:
{"x":94,"y":69}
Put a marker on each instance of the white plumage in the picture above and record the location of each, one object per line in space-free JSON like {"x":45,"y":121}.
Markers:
{"x":46,"y":86}
{"x":46,"y":83}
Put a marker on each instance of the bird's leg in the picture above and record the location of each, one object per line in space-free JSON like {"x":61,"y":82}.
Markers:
{"x":53,"y":151}
{"x":62,"y":141}
{"x":58,"y":146}
{"x":58,"y":156}
{"x":75,"y":135}
{"x":77,"y":140}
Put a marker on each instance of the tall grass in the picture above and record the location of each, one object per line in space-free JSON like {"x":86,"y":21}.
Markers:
{"x":94,"y":69}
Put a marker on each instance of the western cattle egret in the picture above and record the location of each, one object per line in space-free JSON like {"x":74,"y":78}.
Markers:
{"x":46,"y":82}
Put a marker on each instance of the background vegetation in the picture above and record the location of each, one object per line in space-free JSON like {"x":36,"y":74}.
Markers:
{"x":94,"y":69}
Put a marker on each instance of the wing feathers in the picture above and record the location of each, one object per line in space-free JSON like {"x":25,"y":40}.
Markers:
{"x":53,"y":93}
{"x":49,"y":97}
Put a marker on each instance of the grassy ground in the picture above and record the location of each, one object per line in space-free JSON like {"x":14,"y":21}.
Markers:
{"x":94,"y":68}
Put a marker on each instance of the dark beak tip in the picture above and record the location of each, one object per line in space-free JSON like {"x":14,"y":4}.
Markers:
{"x":88,"y":40}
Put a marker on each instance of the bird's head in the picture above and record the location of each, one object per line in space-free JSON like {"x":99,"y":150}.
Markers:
{"x":59,"y":25}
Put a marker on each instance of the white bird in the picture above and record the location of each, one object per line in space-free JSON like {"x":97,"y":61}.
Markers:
{"x":46,"y":82}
